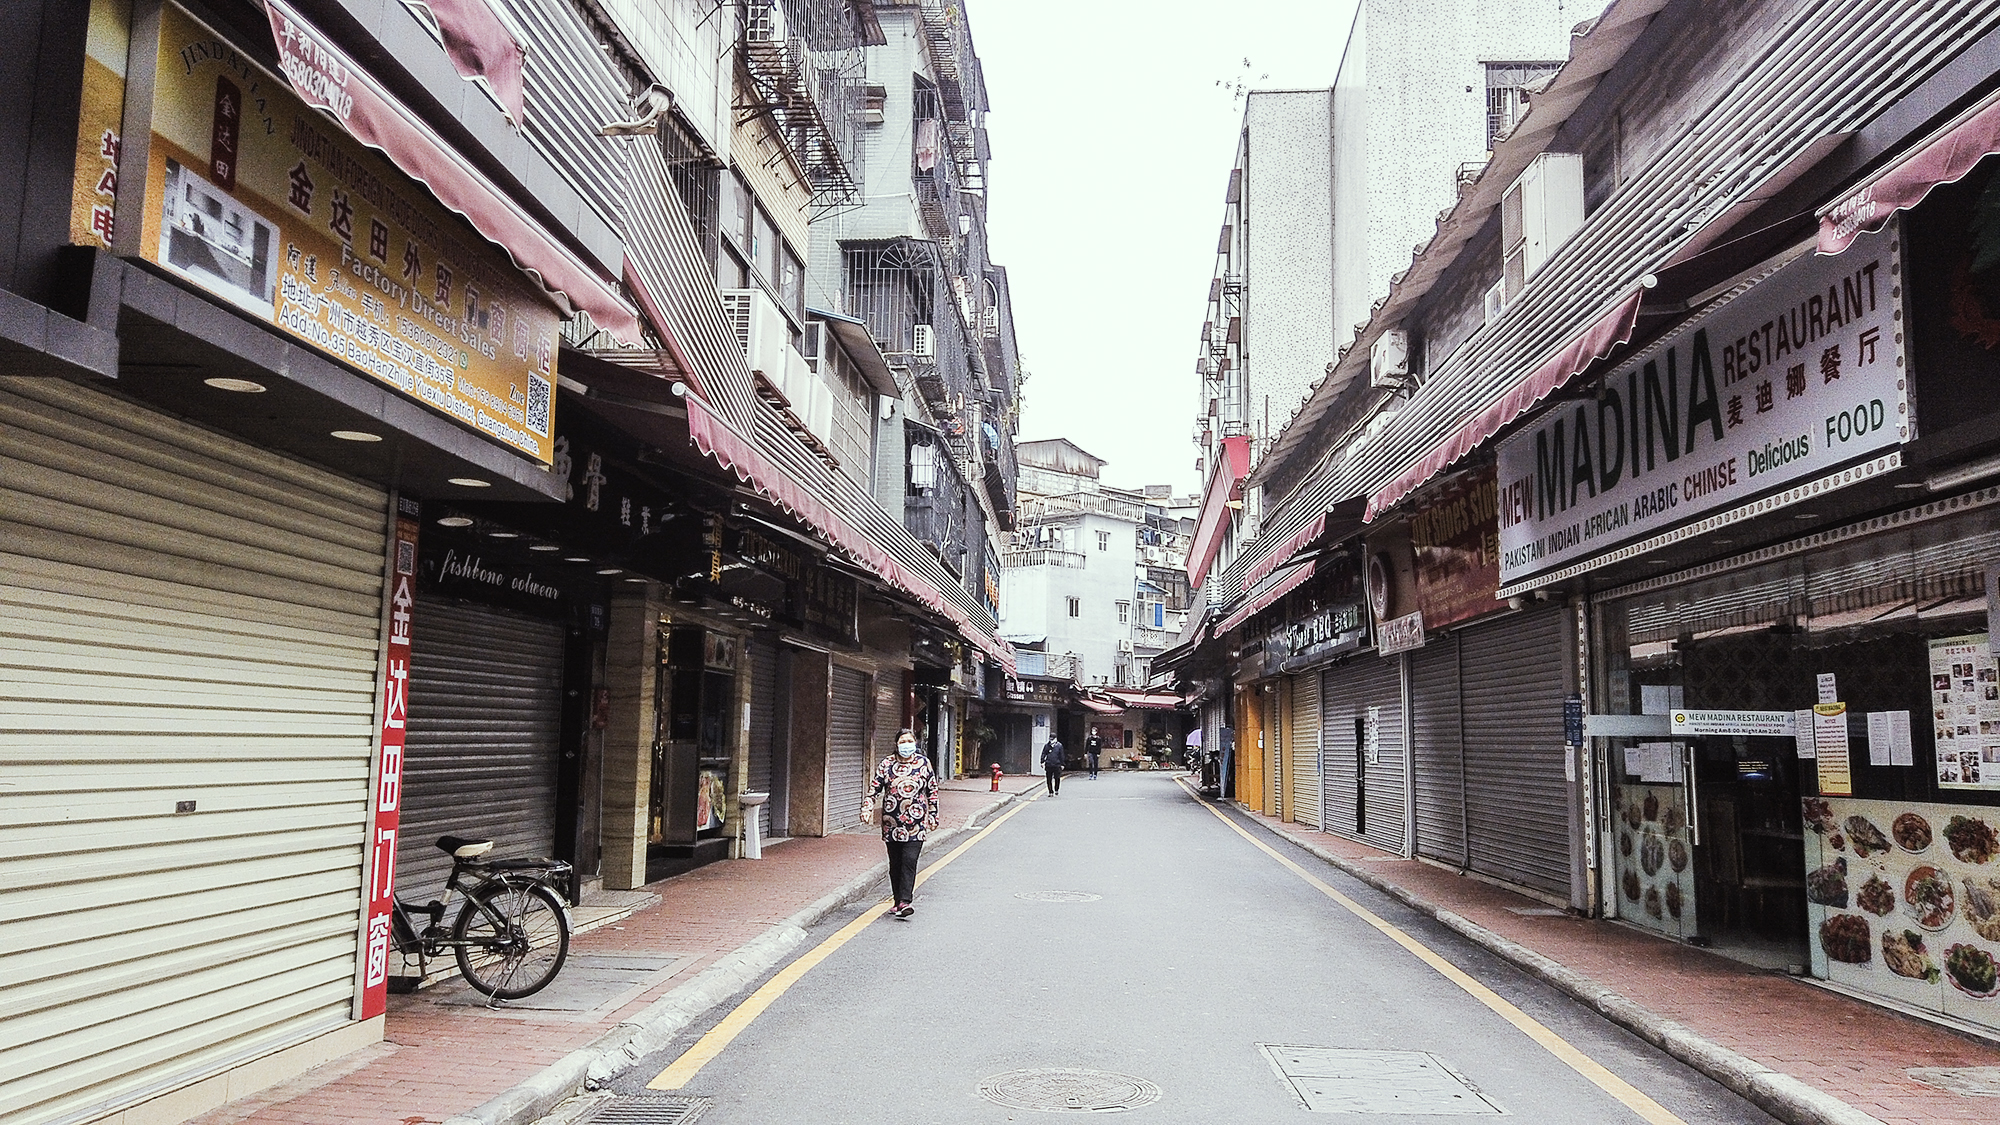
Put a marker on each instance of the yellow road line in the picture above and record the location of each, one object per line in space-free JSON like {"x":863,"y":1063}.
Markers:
{"x":1648,"y":1109}
{"x":683,"y":1069}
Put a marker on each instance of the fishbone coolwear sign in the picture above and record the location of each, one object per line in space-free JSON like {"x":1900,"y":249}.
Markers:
{"x":1800,"y":374}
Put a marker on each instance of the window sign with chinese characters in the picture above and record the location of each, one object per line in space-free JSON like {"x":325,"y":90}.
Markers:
{"x":269,"y":204}
{"x":1799,"y":375}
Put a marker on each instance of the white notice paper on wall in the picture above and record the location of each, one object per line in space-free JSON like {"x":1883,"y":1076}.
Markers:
{"x":1878,"y":738}
{"x":1829,"y":689}
{"x":1659,"y":699}
{"x":1802,"y":732}
{"x":1901,"y":752}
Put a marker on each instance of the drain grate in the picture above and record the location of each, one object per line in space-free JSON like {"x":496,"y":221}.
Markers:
{"x":650,"y":1109}
{"x":1970,"y":1081}
{"x":1538,"y":912}
{"x":1065,"y":1090}
{"x":1337,"y":1080}
{"x":1058,"y":896}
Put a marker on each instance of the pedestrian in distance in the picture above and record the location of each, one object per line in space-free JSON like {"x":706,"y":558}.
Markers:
{"x":909,"y":790}
{"x":1092,"y":747}
{"x":1052,"y":763}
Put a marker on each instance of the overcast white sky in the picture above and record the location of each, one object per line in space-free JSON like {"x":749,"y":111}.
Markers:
{"x":1111,"y":147}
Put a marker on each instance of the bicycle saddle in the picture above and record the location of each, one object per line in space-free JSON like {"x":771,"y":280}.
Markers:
{"x":459,"y":847}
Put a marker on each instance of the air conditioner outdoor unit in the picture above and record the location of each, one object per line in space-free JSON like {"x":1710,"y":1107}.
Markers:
{"x":1389,"y":359}
{"x":761,"y":329}
{"x":1125,"y":645}
{"x":798,"y":383}
{"x":1538,"y":214}
{"x":923,"y":342}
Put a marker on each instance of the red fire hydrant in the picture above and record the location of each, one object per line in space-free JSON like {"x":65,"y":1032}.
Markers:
{"x":996,"y":777}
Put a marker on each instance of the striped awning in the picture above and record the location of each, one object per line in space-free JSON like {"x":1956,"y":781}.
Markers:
{"x":1277,"y":586}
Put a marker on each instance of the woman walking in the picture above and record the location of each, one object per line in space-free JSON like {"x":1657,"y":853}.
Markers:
{"x":909,"y":789}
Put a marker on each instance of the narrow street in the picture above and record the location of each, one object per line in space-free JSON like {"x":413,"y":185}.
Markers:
{"x":1121,"y":927}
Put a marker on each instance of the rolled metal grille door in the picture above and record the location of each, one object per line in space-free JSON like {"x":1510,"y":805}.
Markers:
{"x":847,"y":763}
{"x":1436,"y":751}
{"x":1517,"y":806}
{"x":763,"y":722}
{"x":1378,"y":708}
{"x":189,"y":638}
{"x":483,"y":744}
{"x":1305,"y":749}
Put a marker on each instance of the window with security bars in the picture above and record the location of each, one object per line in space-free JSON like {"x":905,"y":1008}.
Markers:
{"x":1507,"y":84}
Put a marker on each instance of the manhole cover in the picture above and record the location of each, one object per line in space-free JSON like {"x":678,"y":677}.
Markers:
{"x":1971,"y":1081}
{"x":1336,"y":1080}
{"x":1058,"y":896}
{"x":1062,"y":1089}
{"x":650,"y":1109}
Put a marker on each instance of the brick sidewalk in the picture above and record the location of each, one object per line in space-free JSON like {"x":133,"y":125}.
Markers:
{"x":1847,"y":1048}
{"x":441,"y":1058}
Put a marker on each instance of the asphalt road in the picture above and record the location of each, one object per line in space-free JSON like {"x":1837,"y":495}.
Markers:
{"x":1201,"y":966}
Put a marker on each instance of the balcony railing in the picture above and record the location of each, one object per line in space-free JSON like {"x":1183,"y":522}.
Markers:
{"x":1042,"y":556}
{"x":1035,"y":508}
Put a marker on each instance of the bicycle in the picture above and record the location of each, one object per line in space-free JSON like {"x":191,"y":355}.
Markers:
{"x":510,"y":937}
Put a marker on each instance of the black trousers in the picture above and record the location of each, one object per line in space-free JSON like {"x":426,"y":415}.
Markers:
{"x":903,"y":869}
{"x":1092,"y":759}
{"x":1055,"y":777}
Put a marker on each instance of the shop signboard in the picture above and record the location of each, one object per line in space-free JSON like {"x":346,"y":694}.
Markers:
{"x":1965,"y":711}
{"x":266,"y":202}
{"x":1400,"y":634}
{"x":1332,"y":629}
{"x":1798,"y":376}
{"x":386,"y":815}
{"x":1750,"y":724}
{"x":1455,"y":544}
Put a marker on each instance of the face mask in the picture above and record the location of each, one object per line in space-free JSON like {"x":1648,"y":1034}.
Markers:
{"x":906,"y":749}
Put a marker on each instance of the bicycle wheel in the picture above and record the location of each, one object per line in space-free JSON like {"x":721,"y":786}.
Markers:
{"x":511,"y":940}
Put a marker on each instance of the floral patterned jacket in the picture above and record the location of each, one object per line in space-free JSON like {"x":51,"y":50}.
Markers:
{"x":909,"y":790}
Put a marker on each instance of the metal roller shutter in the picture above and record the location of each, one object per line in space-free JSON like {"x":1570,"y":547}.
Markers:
{"x":183,"y":618}
{"x":1436,"y":749}
{"x":847,"y":763}
{"x":1305,"y":749}
{"x":889,"y":712}
{"x":1379,"y":693}
{"x":763,"y":722}
{"x":1336,"y":739}
{"x":1517,"y":807}
{"x":1274,"y":753}
{"x":484,"y":736}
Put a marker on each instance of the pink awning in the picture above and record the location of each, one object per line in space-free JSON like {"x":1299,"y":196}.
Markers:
{"x":1283,"y":554}
{"x":1946,"y":159}
{"x":1231,"y":466}
{"x":1611,"y":330}
{"x":324,"y":77}
{"x":1100,"y":708}
{"x":482,"y":50}
{"x":718,"y":439}
{"x":1286,"y":582}
{"x":1152,"y":700}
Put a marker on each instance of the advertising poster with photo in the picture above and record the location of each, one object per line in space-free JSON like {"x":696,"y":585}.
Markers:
{"x":268,"y":204}
{"x":1903,"y":902}
{"x":1655,"y":858}
{"x":1965,"y":712}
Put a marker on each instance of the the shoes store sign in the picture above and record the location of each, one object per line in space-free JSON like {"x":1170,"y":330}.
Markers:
{"x":1794,"y":378}
{"x":270,"y":204}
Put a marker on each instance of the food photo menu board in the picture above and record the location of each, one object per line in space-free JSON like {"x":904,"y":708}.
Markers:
{"x":1965,"y":712}
{"x":1903,"y":902}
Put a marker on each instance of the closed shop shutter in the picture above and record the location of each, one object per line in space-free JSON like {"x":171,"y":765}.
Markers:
{"x":1274,"y":753}
{"x":1379,"y":701}
{"x":1517,"y":806}
{"x":1348,"y":693}
{"x":183,"y":618}
{"x":1304,"y":744}
{"x":847,"y":763}
{"x":484,"y":736}
{"x":763,"y":722}
{"x":1435,"y":750}
{"x":889,"y":713}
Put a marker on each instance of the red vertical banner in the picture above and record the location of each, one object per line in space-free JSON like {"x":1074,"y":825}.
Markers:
{"x":387,"y":799}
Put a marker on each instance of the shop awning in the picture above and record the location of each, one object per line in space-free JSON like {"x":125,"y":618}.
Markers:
{"x":1344,"y":518}
{"x":324,"y":77}
{"x":1612,"y":329}
{"x":1277,"y":586}
{"x":1099,"y":706}
{"x":1146,"y":700}
{"x":1945,"y":158}
{"x":1232,"y":464}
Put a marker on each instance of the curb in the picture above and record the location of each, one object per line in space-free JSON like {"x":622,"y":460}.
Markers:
{"x":1787,"y":1098}
{"x":619,"y":1048}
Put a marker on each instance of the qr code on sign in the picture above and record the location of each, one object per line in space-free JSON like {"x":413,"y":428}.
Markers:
{"x":538,"y":404}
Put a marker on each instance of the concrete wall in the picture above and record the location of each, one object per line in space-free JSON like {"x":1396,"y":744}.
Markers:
{"x":632,"y":660}
{"x":1287,"y":233}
